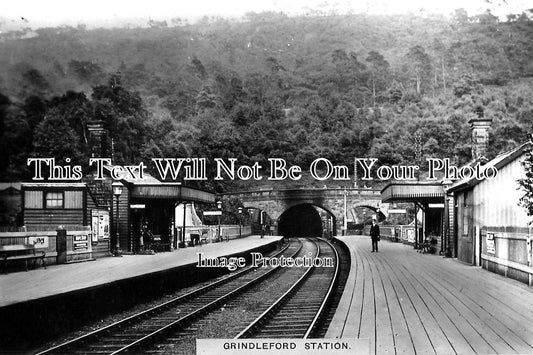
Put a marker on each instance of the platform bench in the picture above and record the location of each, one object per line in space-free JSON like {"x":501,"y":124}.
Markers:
{"x":204,"y":237}
{"x":26,"y":252}
{"x":157,"y":244}
{"x":424,"y":246}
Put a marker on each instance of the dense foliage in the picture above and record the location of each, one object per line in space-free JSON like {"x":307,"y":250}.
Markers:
{"x":298,"y":88}
{"x":526,"y":183}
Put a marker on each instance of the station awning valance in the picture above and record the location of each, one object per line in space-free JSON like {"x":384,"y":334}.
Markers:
{"x":171,"y":191}
{"x":413,"y":191}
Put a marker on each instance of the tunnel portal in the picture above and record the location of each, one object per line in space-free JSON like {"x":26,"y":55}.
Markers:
{"x":300,"y":221}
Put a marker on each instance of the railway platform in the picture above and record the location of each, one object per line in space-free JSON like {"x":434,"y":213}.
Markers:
{"x":413,"y":303}
{"x":58,"y":279}
{"x":41,"y":303}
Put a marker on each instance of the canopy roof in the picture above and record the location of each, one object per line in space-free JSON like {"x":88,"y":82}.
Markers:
{"x":415,"y":191}
{"x":151,"y":188}
{"x":172,"y":191}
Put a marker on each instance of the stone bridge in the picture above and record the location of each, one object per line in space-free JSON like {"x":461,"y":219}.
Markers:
{"x":284,"y":205}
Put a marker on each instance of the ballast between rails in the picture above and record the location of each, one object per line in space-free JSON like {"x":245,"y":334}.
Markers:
{"x":195,"y":313}
{"x":278,"y":303}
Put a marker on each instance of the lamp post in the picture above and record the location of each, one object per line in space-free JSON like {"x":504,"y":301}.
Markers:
{"x":345,"y":222}
{"x":252,"y":221}
{"x":219,"y":206}
{"x":262,"y":223}
{"x":364,"y":221}
{"x":117,"y":191}
{"x":240,"y":222}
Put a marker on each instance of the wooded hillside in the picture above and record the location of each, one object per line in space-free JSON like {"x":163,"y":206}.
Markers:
{"x":270,"y":85}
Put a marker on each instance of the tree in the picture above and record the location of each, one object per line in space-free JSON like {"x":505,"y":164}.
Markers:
{"x":466,"y":85}
{"x":32,"y":81}
{"x":4,"y":161}
{"x":440,"y":49}
{"x":35,"y":78}
{"x":230,"y":211}
{"x":205,"y":99}
{"x":199,"y":68}
{"x":54,"y":138}
{"x":124,"y":116}
{"x":86,"y":71}
{"x":526,"y":183}
{"x":256,"y":89}
{"x":77,"y":110}
{"x":35,"y":108}
{"x":157,"y":24}
{"x":395,"y":93}
{"x":233,"y":94}
{"x":15,"y":140}
{"x":461,"y":16}
{"x":349,"y":72}
{"x":378,"y":72}
{"x":419,"y":64}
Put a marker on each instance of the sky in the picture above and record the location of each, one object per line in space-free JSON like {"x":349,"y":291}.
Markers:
{"x":108,"y":13}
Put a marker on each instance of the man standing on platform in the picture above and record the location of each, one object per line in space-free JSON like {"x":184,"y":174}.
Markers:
{"x":374,"y":234}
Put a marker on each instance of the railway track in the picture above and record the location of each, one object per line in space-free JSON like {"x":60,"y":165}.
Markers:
{"x":338,"y":289}
{"x":298,"y":311}
{"x":168,"y":327}
{"x":145,"y":327}
{"x":238,"y":313}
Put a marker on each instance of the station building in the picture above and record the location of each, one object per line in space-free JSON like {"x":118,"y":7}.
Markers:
{"x":135,"y":203}
{"x":49,"y":207}
{"x":492,"y":230}
{"x":98,"y":215}
{"x":110,"y":214}
{"x":479,"y":222}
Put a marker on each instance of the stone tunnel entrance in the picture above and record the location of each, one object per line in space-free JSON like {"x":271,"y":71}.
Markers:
{"x":305,"y":221}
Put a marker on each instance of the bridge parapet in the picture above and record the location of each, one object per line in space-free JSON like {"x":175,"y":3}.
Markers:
{"x":303,"y":193}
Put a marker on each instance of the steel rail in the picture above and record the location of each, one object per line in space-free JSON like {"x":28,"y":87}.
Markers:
{"x":162,"y":307}
{"x":199,"y":311}
{"x":256,"y":323}
{"x":328,"y":294}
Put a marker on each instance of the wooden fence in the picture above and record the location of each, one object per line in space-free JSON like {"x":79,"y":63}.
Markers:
{"x":507,"y":253}
{"x":226,"y":232}
{"x":397,"y":233}
{"x":79,"y":244}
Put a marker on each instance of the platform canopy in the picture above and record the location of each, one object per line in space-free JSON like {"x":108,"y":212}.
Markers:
{"x":413,"y":191}
{"x":148,"y":187}
{"x":170,"y":191}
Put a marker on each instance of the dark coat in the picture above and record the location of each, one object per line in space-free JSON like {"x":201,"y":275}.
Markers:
{"x":374,"y":232}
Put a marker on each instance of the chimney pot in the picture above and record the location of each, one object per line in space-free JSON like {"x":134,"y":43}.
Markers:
{"x":480,"y":136}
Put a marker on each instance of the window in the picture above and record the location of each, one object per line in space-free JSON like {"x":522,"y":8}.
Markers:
{"x":33,"y":199}
{"x":54,"y":200}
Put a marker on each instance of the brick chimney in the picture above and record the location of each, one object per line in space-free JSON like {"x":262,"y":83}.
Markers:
{"x":97,"y":135}
{"x":480,"y":135}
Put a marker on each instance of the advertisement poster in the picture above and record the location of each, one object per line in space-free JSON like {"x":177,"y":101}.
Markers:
{"x":266,"y":177}
{"x":80,"y":242}
{"x":491,"y":247}
{"x":100,"y":225}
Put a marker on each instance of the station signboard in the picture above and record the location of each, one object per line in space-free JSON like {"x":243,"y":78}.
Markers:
{"x":397,"y":210}
{"x":80,"y":242}
{"x":212,"y":213}
{"x":491,"y":248}
{"x":38,"y":241}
